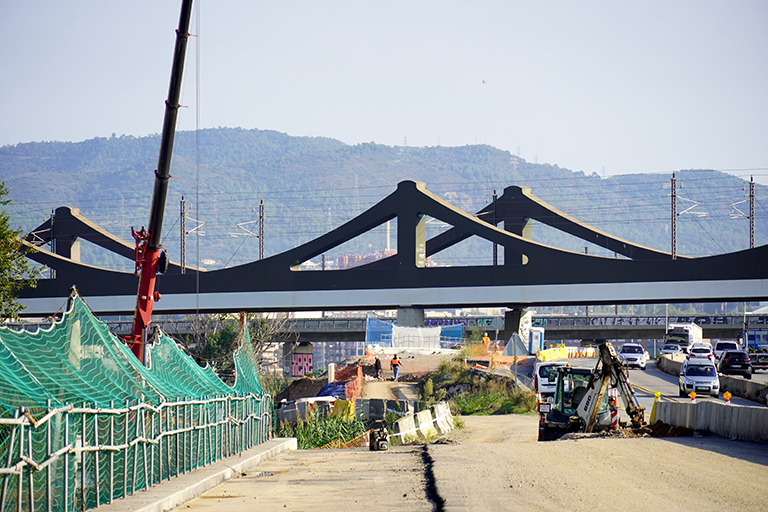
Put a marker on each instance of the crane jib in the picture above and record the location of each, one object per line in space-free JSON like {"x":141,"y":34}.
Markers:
{"x":150,"y":239}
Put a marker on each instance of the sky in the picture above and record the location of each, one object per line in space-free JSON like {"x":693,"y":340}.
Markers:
{"x":593,"y":86}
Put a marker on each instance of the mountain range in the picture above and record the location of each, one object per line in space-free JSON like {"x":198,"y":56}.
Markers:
{"x":310,"y":185}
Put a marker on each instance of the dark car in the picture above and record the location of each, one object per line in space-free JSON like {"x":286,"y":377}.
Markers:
{"x":735,"y":362}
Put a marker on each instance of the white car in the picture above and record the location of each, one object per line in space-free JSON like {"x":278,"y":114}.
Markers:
{"x":545,"y":376}
{"x":701,"y":351}
{"x":700,"y":376}
{"x":722,"y":346}
{"x":705,"y":344}
{"x":633,"y":354}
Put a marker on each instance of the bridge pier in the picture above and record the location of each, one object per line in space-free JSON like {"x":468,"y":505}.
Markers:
{"x":410,"y":317}
{"x":517,"y":320}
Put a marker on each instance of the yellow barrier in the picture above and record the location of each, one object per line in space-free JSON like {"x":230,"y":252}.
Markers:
{"x":561,"y":352}
{"x":552,"y":354}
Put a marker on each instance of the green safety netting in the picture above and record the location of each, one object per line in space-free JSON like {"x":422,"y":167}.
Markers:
{"x":246,"y":376}
{"x":83,"y":422}
{"x":79,"y":360}
{"x":177,"y":375}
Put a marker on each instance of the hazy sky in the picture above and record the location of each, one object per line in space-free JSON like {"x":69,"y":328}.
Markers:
{"x":606,"y":87}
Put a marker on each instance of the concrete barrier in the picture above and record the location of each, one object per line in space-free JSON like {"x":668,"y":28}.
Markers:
{"x":404,"y":430}
{"x":670,"y":363}
{"x":378,"y":408}
{"x":749,"y":389}
{"x":749,"y":423}
{"x":443,"y":417}
{"x":425,"y":423}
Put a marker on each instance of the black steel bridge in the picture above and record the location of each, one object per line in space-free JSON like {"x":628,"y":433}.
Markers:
{"x":531,"y":273}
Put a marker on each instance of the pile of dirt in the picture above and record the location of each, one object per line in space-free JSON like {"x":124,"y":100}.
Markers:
{"x":624,"y":433}
{"x":661,"y":429}
{"x":304,"y":387}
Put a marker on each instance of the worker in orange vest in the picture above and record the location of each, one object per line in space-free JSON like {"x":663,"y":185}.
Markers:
{"x":394,"y":365}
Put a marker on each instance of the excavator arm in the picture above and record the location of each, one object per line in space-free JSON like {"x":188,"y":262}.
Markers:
{"x":609,"y":370}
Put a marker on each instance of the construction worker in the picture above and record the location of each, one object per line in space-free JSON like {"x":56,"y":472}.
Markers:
{"x":377,"y":367}
{"x":394,"y":365}
{"x":486,"y":339}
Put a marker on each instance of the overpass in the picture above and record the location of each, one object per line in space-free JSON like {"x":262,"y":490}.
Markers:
{"x":531,"y":273}
{"x":556,"y":327}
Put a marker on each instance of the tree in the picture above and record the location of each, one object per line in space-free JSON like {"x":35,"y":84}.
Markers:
{"x":15,"y":271}
{"x":214,"y":339}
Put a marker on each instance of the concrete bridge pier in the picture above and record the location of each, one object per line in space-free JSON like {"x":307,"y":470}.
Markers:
{"x":410,"y":317}
{"x":517,"y":320}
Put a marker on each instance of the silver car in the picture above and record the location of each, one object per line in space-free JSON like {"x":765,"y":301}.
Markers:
{"x":699,"y":376}
{"x":633,"y":354}
{"x":671,"y":348}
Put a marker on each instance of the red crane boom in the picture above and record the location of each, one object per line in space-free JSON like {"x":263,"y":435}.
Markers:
{"x":148,"y":242}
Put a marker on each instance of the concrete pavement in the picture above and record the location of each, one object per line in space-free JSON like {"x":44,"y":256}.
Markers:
{"x":172,"y":493}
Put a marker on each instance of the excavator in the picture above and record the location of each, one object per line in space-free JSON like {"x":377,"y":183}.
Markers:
{"x":581,"y":402}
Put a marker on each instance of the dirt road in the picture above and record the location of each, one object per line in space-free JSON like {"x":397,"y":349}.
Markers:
{"x":495,"y":463}
{"x":499,"y":465}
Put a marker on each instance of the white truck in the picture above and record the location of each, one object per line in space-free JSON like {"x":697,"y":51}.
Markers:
{"x":684,"y":335}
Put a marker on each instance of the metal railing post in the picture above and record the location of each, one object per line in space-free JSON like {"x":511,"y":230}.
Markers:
{"x":125,"y":450}
{"x":66,"y":462}
{"x":48,"y":450}
{"x":111,"y":453}
{"x":144,"y":414}
{"x":8,"y":460}
{"x":152,"y":450}
{"x":96,"y":458}
{"x":82,"y":460}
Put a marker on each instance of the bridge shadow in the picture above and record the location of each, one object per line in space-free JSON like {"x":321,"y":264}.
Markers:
{"x":755,"y":453}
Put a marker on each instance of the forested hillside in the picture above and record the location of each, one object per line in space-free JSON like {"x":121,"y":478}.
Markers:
{"x":310,"y":185}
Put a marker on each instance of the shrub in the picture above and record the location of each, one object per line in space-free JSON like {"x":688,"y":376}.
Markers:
{"x":320,"y":430}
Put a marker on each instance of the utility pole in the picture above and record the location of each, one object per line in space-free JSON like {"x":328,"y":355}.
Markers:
{"x":674,"y":216}
{"x":261,"y":229}
{"x":751,"y":212}
{"x":751,"y":215}
{"x":182,"y":223}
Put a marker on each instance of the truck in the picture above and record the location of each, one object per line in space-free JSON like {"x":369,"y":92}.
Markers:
{"x":684,"y":335}
{"x":581,"y":401}
{"x":757,"y":348}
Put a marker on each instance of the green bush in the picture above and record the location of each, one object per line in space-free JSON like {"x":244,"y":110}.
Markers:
{"x":493,"y":398}
{"x":482,"y":395}
{"x":320,"y":430}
